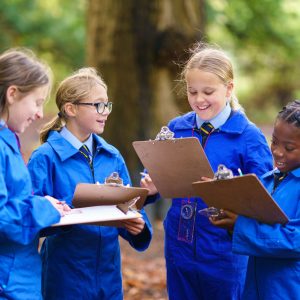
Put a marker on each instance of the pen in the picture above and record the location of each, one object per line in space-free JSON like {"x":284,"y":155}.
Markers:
{"x":240,"y":172}
{"x":144,"y":174}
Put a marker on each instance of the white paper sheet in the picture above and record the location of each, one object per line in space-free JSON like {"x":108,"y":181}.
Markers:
{"x":96,"y":214}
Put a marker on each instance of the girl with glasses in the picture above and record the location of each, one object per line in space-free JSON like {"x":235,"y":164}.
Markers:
{"x":82,"y":262}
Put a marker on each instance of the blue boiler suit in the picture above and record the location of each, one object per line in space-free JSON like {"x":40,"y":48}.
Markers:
{"x":206,"y":268}
{"x":274,"y":250}
{"x":82,"y":261}
{"x":22,"y":216}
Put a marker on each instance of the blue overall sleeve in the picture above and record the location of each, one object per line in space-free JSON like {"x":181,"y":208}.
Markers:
{"x":22,"y":215}
{"x":39,"y":167}
{"x":141,"y":241}
{"x":253,"y":238}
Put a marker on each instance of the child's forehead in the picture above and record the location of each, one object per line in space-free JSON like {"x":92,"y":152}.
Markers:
{"x":98,"y":91}
{"x":286,"y":130}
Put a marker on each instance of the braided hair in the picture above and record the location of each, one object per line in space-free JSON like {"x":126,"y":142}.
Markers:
{"x":291,"y":113}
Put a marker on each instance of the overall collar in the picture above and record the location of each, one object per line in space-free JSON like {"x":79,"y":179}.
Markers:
{"x":9,"y":138}
{"x":295,"y":173}
{"x":218,"y":120}
{"x":66,"y":150}
{"x":236,"y":123}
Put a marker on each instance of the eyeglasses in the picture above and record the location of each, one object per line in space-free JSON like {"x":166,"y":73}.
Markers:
{"x":100,"y":106}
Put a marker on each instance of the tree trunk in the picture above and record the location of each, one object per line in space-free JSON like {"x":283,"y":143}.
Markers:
{"x":135,"y":45}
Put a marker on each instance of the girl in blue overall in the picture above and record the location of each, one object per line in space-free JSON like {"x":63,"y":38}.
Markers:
{"x":199,"y":260}
{"x":274,"y":250}
{"x":24,"y":86}
{"x":84,"y":261}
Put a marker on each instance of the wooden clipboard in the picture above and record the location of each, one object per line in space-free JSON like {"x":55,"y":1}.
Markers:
{"x":107,"y":215}
{"x":244,"y":195}
{"x":87,"y":194}
{"x":174,"y":164}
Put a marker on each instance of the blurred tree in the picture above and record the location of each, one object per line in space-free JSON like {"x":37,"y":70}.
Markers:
{"x":137,"y":46}
{"x":264,"y":35}
{"x":134,"y":45}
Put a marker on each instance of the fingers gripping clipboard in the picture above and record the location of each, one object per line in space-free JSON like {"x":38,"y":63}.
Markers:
{"x":244,"y":195}
{"x":174,"y":164}
{"x":104,"y":204}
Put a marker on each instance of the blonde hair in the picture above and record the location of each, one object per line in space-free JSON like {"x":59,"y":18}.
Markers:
{"x":213,"y":60}
{"x":72,"y":89}
{"x":20,"y":67}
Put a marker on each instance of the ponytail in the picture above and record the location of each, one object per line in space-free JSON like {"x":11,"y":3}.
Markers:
{"x":55,"y":124}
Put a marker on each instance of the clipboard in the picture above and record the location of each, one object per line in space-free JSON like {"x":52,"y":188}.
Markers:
{"x":90,"y":194}
{"x":173,"y":164}
{"x":244,"y":195}
{"x":107,"y":215}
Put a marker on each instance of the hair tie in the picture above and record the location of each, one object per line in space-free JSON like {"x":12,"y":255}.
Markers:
{"x":59,"y":115}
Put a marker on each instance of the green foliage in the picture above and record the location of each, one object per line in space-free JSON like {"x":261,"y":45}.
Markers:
{"x":263,"y":36}
{"x":54,"y":29}
{"x":53,"y":26}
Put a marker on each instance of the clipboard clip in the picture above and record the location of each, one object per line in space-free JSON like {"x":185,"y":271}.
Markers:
{"x":114,"y":179}
{"x":165,"y":134}
{"x":223,"y":173}
{"x":125,"y":207}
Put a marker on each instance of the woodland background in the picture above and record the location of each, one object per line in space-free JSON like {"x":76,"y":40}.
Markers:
{"x":139,"y":46}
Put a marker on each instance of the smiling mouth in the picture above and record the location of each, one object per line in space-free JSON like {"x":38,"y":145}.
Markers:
{"x":202,"y":107}
{"x":279,"y":164}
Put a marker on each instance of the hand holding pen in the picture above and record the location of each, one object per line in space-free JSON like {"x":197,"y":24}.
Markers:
{"x":61,"y":206}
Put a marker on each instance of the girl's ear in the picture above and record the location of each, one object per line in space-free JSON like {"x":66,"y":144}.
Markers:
{"x":70,"y":109}
{"x":11,"y":94}
{"x":230,"y":87}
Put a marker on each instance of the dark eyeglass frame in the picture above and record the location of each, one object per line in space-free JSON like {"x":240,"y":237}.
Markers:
{"x":100,"y":106}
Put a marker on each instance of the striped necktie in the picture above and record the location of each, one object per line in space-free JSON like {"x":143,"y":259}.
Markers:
{"x":278,"y":177}
{"x":205,"y":131}
{"x":84,"y":150}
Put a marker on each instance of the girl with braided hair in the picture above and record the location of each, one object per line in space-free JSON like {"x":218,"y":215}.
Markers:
{"x":274,"y":250}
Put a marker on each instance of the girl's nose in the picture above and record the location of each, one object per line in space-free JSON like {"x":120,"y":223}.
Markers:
{"x":277,"y":152}
{"x":200,"y":98}
{"x":39,"y":114}
{"x":106,"y":111}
